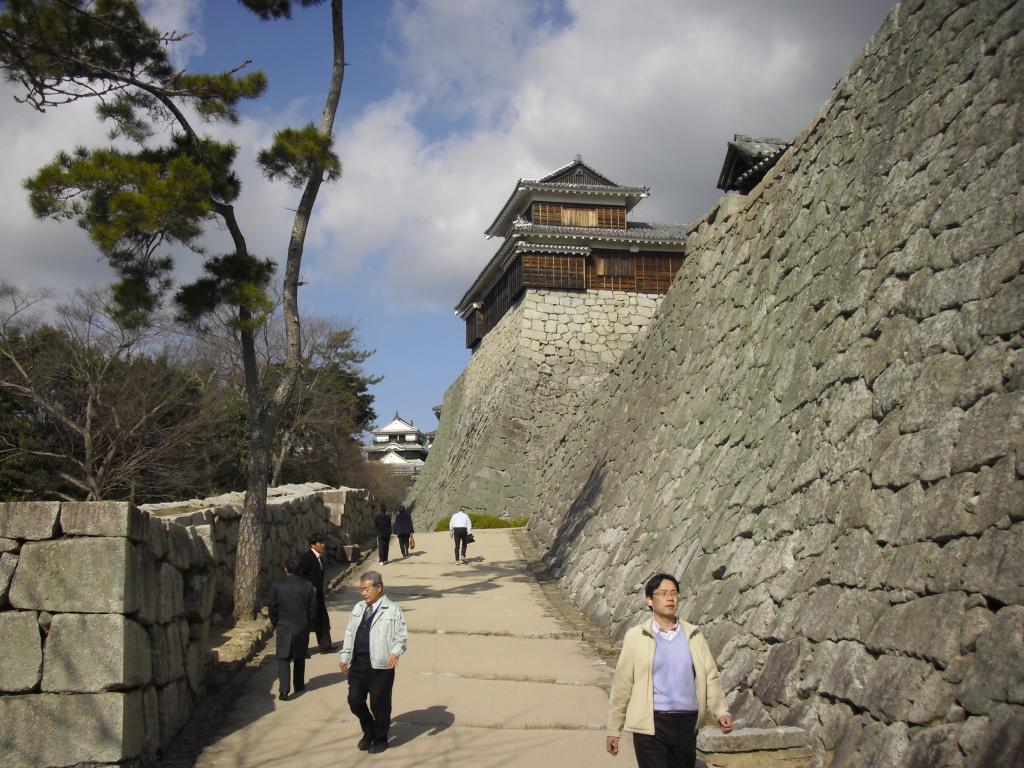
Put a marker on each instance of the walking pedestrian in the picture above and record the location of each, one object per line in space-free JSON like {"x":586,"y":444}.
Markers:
{"x":460,"y":527}
{"x":665,"y":685}
{"x":375,"y":638}
{"x":382,"y":525}
{"x":292,"y":609}
{"x":313,"y":568}
{"x":403,"y":529}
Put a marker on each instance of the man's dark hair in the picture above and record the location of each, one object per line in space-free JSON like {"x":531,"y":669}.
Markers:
{"x":292,"y":565}
{"x":316,"y":538}
{"x":655,"y":581}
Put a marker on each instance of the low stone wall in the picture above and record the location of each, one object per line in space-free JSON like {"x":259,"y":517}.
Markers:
{"x":105,"y":615}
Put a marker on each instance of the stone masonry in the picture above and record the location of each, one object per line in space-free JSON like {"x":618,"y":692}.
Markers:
{"x":105,"y":614}
{"x":829,"y":403}
{"x":530,"y":375}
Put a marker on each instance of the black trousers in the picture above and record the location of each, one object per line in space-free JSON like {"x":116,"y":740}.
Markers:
{"x":363,"y":681}
{"x":673,"y":745}
{"x":383,"y":545}
{"x":298,"y":673}
{"x":403,"y":543}
{"x":460,"y":535}
{"x":323,"y":628}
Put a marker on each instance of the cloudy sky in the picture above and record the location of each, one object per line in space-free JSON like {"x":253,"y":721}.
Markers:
{"x":446,"y":104}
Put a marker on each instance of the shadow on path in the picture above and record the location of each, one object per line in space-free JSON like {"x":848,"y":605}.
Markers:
{"x":430,"y":722}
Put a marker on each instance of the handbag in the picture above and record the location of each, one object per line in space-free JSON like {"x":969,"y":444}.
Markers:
{"x":470,"y":538}
{"x":412,"y":542}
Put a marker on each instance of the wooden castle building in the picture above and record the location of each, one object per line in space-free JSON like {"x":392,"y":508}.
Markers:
{"x":400,"y":445}
{"x":569,"y":231}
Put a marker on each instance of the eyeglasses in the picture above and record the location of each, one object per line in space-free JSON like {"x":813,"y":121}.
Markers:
{"x":665,"y":593}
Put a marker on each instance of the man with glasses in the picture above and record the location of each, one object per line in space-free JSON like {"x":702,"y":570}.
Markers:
{"x":665,"y":685}
{"x":374,"y":639}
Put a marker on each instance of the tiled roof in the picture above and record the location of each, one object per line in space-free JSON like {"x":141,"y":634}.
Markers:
{"x":596,"y":184}
{"x":635,"y":231}
{"x":747,"y":160}
{"x":523,"y":234}
{"x":587,"y":169}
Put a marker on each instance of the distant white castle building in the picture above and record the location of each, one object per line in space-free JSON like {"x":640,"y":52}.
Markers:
{"x":400,"y":445}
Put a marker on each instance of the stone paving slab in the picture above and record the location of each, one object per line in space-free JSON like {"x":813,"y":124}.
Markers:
{"x":491,"y":678}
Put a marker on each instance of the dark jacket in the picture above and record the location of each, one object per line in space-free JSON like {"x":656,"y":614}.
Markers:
{"x":382,"y":523}
{"x":311,"y":570}
{"x":403,"y":523}
{"x":293,"y":608}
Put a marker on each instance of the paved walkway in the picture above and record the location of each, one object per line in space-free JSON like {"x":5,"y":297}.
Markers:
{"x":491,"y":678}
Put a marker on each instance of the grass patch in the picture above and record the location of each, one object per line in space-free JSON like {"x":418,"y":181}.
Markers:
{"x":480,"y":522}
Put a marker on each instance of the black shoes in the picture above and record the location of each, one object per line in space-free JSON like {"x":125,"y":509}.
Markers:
{"x":365,"y":743}
{"x":378,"y":746}
{"x":284,"y":696}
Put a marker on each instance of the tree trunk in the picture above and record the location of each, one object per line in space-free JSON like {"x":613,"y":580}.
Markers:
{"x":251,"y":528}
{"x":251,"y":533}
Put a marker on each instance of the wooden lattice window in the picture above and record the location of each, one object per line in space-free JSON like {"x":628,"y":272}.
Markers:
{"x":615,"y":266}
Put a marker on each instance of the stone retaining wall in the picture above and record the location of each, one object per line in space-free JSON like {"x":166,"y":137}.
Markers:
{"x":821,"y":431}
{"x":105,"y":615}
{"x":530,"y":375}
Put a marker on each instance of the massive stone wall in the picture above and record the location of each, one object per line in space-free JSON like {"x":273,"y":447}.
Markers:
{"x":821,"y":431}
{"x":530,"y":375}
{"x":105,"y":615}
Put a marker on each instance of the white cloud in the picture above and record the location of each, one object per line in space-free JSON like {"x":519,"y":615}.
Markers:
{"x":648,"y":92}
{"x":180,"y":17}
{"x":489,"y":92}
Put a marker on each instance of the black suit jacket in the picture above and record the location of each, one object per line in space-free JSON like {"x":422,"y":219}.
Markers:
{"x":311,"y":570}
{"x":293,"y":608}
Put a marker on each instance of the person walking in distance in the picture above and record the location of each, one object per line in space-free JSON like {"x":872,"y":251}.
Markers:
{"x":293,"y":607}
{"x":403,"y":529}
{"x":382,"y":525}
{"x":375,"y":638}
{"x":665,"y":685}
{"x":313,"y":568}
{"x":460,"y":527}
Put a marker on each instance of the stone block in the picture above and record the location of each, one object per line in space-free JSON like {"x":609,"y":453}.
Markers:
{"x":179,"y":547}
{"x":928,"y":626}
{"x":174,"y":705}
{"x":9,"y":545}
{"x":156,"y":537}
{"x":32,"y":520}
{"x":103,"y":518}
{"x":167,"y":658}
{"x":204,"y":543}
{"x":82,"y":575}
{"x":989,"y":431}
{"x":996,"y":567}
{"x":8,"y":564}
{"x":170,"y":594}
{"x":200,"y":590}
{"x":52,"y":730}
{"x":751,"y":739}
{"x":997,"y":675}
{"x":92,"y":653}
{"x":151,"y":716}
{"x":21,"y":660}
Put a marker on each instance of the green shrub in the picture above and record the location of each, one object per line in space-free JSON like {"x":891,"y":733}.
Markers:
{"x":485,"y":521}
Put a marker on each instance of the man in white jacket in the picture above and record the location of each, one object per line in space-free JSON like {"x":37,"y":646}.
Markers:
{"x":460,"y":527}
{"x":666,"y":684}
{"x":375,"y":638}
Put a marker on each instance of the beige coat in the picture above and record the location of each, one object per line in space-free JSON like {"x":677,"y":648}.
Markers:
{"x":632,"y":697}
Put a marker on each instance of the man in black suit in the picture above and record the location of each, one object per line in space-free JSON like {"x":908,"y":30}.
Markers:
{"x":312,"y":567}
{"x":382,"y":524}
{"x":292,"y":610}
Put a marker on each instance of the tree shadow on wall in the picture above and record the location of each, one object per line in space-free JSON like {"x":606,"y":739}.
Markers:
{"x":578,"y":516}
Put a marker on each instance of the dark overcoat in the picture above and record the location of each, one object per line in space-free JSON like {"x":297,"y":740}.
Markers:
{"x":292,"y":611}
{"x":311,"y":570}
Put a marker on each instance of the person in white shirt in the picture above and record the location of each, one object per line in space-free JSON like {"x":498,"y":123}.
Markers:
{"x":460,"y":527}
